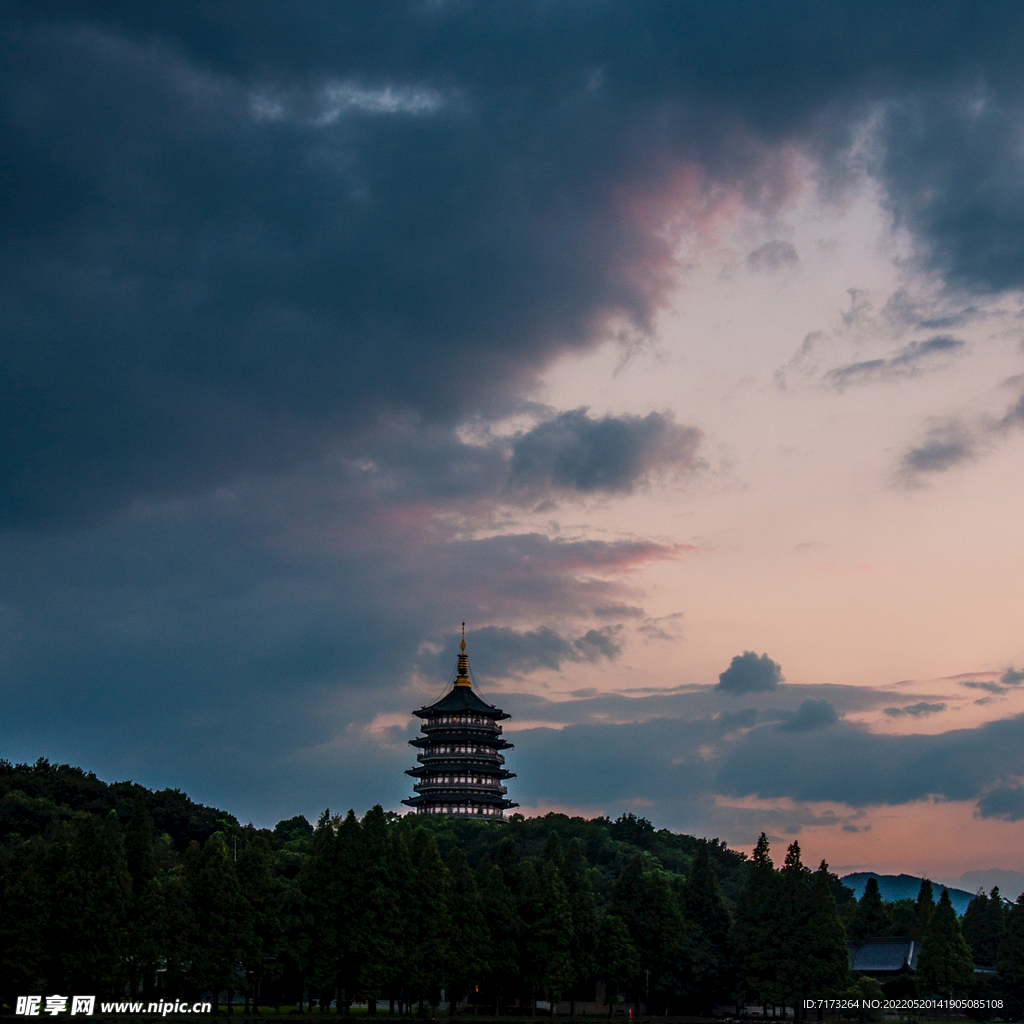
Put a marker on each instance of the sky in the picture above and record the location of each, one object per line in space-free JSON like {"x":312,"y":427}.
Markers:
{"x":676,"y":348}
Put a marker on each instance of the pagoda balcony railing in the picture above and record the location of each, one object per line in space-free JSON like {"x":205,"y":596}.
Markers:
{"x":483,"y":787}
{"x":486,"y":726}
{"x":448,"y":755}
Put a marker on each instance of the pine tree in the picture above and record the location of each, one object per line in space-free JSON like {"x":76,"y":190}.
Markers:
{"x":826,"y":968}
{"x":755,"y":934}
{"x":925,"y":906}
{"x":583,"y":913}
{"x":873,"y":918}
{"x":469,"y":939}
{"x":618,"y":958}
{"x":647,"y":905}
{"x":982,"y":925}
{"x":261,"y":892}
{"x":792,"y":909}
{"x":26,"y":918}
{"x":1010,"y":960}
{"x":221,"y":916}
{"x":431,"y":964}
{"x":381,"y":919}
{"x":144,"y":927}
{"x":547,"y":922}
{"x":944,"y":966}
{"x":505,"y":927}
{"x":348,"y":907}
{"x":94,"y":893}
{"x":705,"y":911}
{"x":318,"y":882}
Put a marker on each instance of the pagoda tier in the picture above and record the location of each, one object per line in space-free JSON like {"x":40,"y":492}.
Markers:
{"x":460,"y":773}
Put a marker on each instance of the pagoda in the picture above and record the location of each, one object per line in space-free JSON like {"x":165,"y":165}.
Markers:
{"x":460,"y":771}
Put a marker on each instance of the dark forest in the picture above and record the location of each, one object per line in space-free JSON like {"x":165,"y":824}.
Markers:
{"x":118,"y":890}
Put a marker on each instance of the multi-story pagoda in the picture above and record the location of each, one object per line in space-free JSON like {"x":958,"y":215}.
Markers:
{"x":461,"y":770}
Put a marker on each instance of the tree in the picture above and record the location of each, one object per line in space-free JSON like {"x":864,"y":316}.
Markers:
{"x":792,"y":908}
{"x":644,"y":901}
{"x":381,"y":920}
{"x":755,"y":934}
{"x":547,"y":924}
{"x":504,"y":927}
{"x":826,"y":967}
{"x":944,"y":966}
{"x":430,"y":965}
{"x":873,"y":917}
{"x":221,"y":915}
{"x":618,"y":957}
{"x":705,"y":911}
{"x":1010,"y":959}
{"x":26,"y":918}
{"x":262,"y":895}
{"x":146,"y":901}
{"x":94,"y":894}
{"x":322,"y":899}
{"x":469,"y":939}
{"x":982,"y":925}
{"x":925,"y":905}
{"x":583,"y":915}
{"x":349,"y":900}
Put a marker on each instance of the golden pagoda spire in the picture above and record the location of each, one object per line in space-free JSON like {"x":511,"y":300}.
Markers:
{"x":462,"y":674}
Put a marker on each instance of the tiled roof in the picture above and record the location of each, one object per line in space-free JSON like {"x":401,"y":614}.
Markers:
{"x":462,"y":698}
{"x":876,"y":955}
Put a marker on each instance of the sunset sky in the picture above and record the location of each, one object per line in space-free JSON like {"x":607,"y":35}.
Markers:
{"x":637,"y":335}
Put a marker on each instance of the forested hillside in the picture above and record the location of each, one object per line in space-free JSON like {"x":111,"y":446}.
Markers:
{"x":115,"y":889}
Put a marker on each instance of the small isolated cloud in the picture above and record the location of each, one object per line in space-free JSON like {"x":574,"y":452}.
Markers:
{"x":907,"y":362}
{"x":775,"y":255}
{"x":975,"y":684}
{"x":614,"y":453}
{"x":945,"y":446}
{"x":1006,"y":802}
{"x":915,"y":710}
{"x":748,"y":673}
{"x":813,"y":714}
{"x":1012,"y":677}
{"x":665,"y":627}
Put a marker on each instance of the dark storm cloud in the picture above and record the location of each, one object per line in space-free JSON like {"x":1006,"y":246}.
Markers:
{"x":236,"y":646}
{"x":685,"y":765}
{"x":812,"y":714}
{"x":607,"y":454}
{"x":505,"y":652}
{"x":260,"y":262}
{"x":1006,"y":802}
{"x":568,"y":454}
{"x":850,"y":765}
{"x":910,"y":360}
{"x":236,"y":239}
{"x":915,"y":710}
{"x":748,"y":673}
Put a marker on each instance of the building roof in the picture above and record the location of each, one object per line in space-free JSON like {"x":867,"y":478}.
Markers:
{"x":462,"y":698}
{"x":875,"y":956}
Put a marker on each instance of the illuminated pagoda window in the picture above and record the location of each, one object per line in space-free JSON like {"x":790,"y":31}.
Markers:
{"x":461,"y":770}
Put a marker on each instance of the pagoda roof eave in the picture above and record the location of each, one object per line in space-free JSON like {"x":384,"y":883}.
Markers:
{"x":462,"y":698}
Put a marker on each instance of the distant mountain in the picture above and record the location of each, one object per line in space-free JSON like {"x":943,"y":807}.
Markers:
{"x":1011,"y":883}
{"x":905,"y":887}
